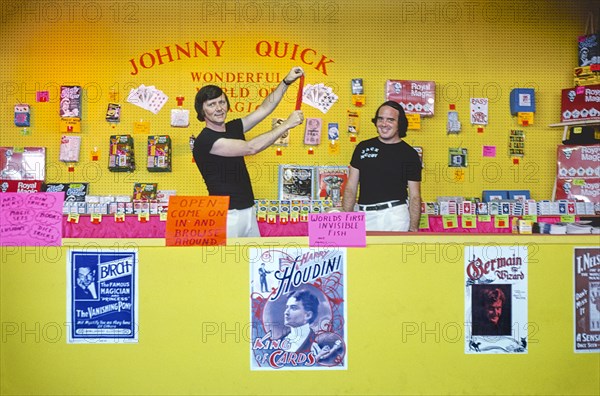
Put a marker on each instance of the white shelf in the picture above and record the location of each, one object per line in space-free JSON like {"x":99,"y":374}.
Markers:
{"x":575,"y":123}
{"x":567,"y":124}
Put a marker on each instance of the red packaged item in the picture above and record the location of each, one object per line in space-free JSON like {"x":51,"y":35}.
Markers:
{"x":415,"y":97}
{"x":580,"y":104}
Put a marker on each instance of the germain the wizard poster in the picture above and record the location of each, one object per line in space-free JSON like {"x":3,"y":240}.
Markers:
{"x":496,"y":299}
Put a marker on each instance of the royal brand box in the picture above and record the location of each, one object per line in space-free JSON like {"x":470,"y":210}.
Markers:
{"x":580,"y":103}
{"x":415,"y":97}
{"x":21,"y":186}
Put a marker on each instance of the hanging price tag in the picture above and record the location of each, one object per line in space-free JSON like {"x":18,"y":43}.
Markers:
{"x":468,"y":221}
{"x":414,"y":121}
{"x":567,"y":219}
{"x":334,"y":148}
{"x":70,"y":125}
{"x":501,"y":221}
{"x":141,"y":127}
{"x":73,"y":218}
{"x":525,"y":119}
{"x":449,"y":221}
{"x":113,"y":95}
{"x":95,"y":154}
{"x":424,"y":222}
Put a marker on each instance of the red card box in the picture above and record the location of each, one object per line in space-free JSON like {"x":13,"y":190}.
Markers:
{"x":585,"y":190}
{"x":21,"y":186}
{"x":416,"y":97}
{"x":580,"y":104}
{"x":578,"y":161}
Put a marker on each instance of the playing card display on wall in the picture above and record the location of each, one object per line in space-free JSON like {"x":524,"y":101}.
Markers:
{"x":319,"y":96}
{"x":148,"y":97}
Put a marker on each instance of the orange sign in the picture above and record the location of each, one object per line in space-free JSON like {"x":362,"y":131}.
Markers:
{"x":197,"y":221}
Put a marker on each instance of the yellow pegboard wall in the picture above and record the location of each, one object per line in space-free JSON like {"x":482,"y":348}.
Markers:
{"x":470,"y":49}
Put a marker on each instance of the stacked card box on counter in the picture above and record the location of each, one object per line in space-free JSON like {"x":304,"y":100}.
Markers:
{"x":448,"y":207}
{"x":144,"y":198}
{"x":74,"y":192}
{"x":512,"y":207}
{"x":96,"y":204}
{"x":565,"y":207}
{"x":271,"y":211}
{"x":289,"y":211}
{"x":430,"y":208}
{"x":109,"y":204}
{"x":454,"y":205}
{"x":162,"y":196}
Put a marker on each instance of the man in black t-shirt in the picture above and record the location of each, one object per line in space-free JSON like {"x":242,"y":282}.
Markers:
{"x":388,"y":171}
{"x":220,"y":148}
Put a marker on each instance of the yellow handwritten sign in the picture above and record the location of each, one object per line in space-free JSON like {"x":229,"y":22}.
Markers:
{"x":141,"y":127}
{"x":70,"y":125}
{"x":414,"y":121}
{"x":525,"y":118}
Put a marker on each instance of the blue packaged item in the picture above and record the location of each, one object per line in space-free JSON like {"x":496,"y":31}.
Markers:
{"x":522,"y":100}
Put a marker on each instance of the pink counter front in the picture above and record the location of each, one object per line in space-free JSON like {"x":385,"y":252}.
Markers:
{"x":155,"y":228}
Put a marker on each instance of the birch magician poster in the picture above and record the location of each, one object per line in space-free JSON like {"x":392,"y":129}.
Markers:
{"x":102,"y":296}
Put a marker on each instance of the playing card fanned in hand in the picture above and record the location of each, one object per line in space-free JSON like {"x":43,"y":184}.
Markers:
{"x":148,"y":98}
{"x":319,"y":96}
